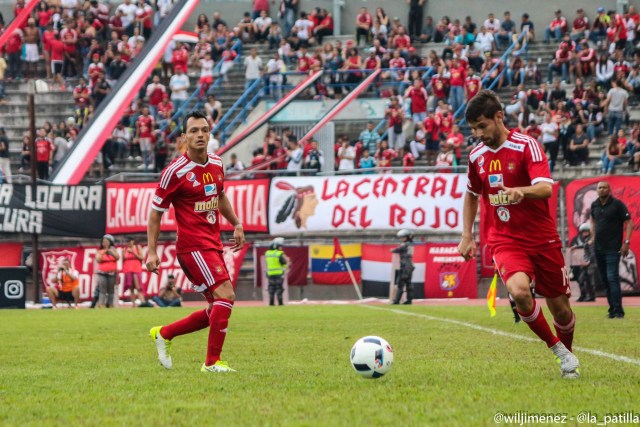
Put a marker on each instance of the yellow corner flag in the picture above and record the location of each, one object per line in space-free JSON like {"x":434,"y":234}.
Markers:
{"x":491,"y":295}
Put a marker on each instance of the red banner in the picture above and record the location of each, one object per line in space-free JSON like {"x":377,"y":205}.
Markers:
{"x":10,"y":254}
{"x":128,"y":206}
{"x":448,"y":275}
{"x":297,"y":271}
{"x":486,"y":267}
{"x":582,"y":193}
{"x":83,"y":260}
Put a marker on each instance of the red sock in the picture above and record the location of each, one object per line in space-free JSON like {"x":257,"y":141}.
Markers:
{"x":538,"y":324}
{"x":565,"y":332}
{"x":194,"y":322}
{"x":218,"y":322}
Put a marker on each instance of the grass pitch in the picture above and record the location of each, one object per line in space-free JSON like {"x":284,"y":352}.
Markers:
{"x":99,"y":367}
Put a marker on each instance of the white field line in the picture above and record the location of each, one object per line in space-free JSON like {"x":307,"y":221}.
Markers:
{"x":505,"y":334}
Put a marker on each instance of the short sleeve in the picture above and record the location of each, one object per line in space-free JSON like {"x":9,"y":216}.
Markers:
{"x":624,"y":212}
{"x":536,"y":163}
{"x":165,"y":189}
{"x":474,"y":185}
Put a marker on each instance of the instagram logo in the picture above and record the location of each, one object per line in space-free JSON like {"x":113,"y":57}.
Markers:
{"x":13,"y":289}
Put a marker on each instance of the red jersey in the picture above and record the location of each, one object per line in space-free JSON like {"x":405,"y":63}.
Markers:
{"x":398,"y":62}
{"x":370,"y":63}
{"x":432,"y":128}
{"x":194,"y":191}
{"x":473,"y":85}
{"x":458,"y":75}
{"x":418,"y":100}
{"x":44,"y":147}
{"x":83,"y":92}
{"x":533,"y":132}
{"x":145,"y":126}
{"x":444,"y":123}
{"x":439,"y":86}
{"x":69,"y":37}
{"x":57,"y":50}
{"x":402,"y":42}
{"x":408,"y":162}
{"x":130,"y":263}
{"x":518,"y":162}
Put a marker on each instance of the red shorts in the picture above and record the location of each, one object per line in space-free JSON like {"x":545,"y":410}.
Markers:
{"x":545,"y":266}
{"x":128,"y":280}
{"x":205,"y":269}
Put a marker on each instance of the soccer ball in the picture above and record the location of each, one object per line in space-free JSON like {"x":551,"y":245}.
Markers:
{"x":371,"y":357}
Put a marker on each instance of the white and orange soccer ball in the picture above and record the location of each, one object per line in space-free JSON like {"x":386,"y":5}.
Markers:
{"x":371,"y":357}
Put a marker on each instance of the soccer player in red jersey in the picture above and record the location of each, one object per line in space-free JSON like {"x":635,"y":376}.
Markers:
{"x":509,"y":172}
{"x":193,"y":184}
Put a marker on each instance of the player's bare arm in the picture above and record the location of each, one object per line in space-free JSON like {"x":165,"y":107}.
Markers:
{"x":224,"y":205}
{"x":540,"y":190}
{"x":153,"y":232}
{"x":467,"y":246}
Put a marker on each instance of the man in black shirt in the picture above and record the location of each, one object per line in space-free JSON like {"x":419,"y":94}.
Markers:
{"x":608,"y":216}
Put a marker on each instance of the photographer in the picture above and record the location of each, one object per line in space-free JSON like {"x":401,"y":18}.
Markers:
{"x":66,"y":285}
{"x":169,"y":295}
{"x":106,"y":271}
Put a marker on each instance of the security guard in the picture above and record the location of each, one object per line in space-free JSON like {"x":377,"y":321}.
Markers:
{"x":403,"y":275}
{"x":276,"y":265}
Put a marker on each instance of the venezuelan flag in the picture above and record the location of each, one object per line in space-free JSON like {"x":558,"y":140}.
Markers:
{"x":324,"y":271}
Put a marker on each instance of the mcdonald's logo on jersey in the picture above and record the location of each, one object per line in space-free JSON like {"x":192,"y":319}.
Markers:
{"x":495,"y":165}
{"x":207,"y":178}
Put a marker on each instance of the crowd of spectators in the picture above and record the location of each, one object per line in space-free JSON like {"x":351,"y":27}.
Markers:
{"x":425,"y":92}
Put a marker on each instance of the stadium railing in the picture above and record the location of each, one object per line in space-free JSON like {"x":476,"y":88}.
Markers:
{"x":216,"y":84}
{"x":503,"y":59}
{"x":240,"y":101}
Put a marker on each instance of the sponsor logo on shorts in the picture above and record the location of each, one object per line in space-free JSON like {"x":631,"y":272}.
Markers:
{"x":496,"y":180}
{"x":503,"y":214}
{"x":210,"y":190}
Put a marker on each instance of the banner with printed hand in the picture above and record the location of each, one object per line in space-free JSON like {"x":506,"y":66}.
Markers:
{"x":581,"y":193}
{"x":83,"y":260}
{"x":128,"y":205}
{"x":429,"y":202}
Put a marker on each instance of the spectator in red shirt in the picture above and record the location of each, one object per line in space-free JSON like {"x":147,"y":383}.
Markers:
{"x":69,"y":37}
{"x":580,"y":26}
{"x":408,"y":160}
{"x":363,"y":26}
{"x":533,"y":130}
{"x":561,"y":63}
{"x":384,"y":155}
{"x":180,"y":57}
{"x":587,"y":61}
{"x":13,"y":49}
{"x":44,"y":154}
{"x":456,"y":92}
{"x":402,"y":42}
{"x":455,"y":139}
{"x":56,"y":53}
{"x":418,"y":95}
{"x":324,"y":27}
{"x":557,"y":28}
{"x":395,"y":129}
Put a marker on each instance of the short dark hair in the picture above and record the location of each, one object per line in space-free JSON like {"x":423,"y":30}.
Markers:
{"x":195,"y":115}
{"x":485,"y":103}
